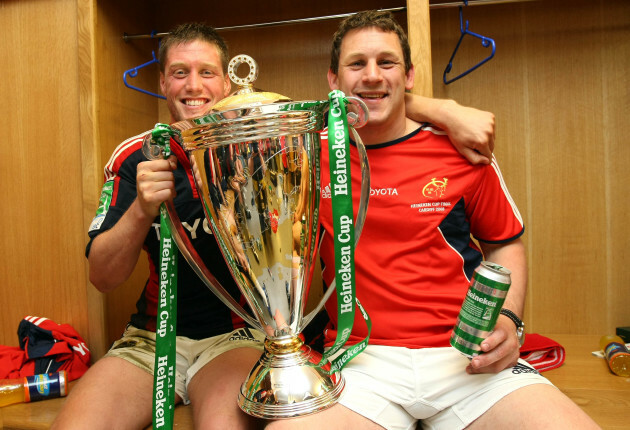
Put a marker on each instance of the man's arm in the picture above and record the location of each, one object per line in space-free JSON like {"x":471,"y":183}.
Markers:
{"x":114,"y":253}
{"x":501,"y":348}
{"x":471,"y":130}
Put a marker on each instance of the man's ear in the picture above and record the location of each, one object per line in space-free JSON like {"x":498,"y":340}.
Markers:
{"x":411,"y":74}
{"x":227,"y":86}
{"x":332,"y":80}
{"x":162,"y":83}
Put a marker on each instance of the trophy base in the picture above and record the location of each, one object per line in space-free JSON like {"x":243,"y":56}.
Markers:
{"x":288,"y":382}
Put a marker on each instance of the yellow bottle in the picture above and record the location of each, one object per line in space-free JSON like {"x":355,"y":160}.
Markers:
{"x":11,"y":391}
{"x":616,"y":354}
{"x":32,"y":388}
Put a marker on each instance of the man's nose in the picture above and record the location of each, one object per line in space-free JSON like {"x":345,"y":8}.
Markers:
{"x":372,"y":73}
{"x":194,"y":82}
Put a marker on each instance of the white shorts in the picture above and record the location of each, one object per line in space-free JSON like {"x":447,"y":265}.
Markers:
{"x":137,"y":346}
{"x":395,"y":387}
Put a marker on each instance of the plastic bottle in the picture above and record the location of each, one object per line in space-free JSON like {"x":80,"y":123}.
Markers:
{"x":32,"y":388}
{"x":616,"y":354}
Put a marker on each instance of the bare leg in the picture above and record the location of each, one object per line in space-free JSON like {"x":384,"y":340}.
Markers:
{"x":538,"y":406}
{"x":337,"y":417}
{"x":213,"y":391}
{"x":112,"y":394}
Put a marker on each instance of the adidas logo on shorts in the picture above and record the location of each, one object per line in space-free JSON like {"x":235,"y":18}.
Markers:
{"x":243,"y":334}
{"x":521,"y":368}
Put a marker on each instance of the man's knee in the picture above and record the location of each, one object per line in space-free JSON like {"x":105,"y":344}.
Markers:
{"x":536,"y":406}
{"x":112,"y":393}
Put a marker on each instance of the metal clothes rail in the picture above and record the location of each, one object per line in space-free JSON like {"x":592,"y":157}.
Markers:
{"x":128,"y":37}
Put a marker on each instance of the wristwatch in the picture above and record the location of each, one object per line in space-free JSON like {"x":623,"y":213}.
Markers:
{"x":520,"y":325}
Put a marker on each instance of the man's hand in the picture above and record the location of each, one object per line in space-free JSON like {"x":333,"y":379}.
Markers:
{"x":114,"y":253}
{"x":500,"y":349}
{"x":471,"y":131}
{"x":155,"y":183}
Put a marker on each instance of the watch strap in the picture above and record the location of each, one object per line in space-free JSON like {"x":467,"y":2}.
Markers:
{"x":511,"y":315}
{"x":520,"y":325}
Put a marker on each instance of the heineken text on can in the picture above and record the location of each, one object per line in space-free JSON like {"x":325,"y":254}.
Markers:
{"x":480,"y":310}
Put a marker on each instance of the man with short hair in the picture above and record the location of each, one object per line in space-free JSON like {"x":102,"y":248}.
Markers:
{"x":215,"y":349}
{"x":414,"y":262}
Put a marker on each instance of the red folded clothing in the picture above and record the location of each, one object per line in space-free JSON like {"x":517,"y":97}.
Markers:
{"x":45,"y":347}
{"x":541,"y":352}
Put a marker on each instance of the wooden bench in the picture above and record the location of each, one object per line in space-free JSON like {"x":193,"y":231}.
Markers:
{"x":583,"y":377}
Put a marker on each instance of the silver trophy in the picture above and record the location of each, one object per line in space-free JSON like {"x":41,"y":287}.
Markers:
{"x":255,"y":161}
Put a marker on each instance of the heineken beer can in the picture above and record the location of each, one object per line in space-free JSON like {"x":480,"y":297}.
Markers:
{"x":486,"y":293}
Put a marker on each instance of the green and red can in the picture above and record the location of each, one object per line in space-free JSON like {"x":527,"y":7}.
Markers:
{"x":485,"y":296}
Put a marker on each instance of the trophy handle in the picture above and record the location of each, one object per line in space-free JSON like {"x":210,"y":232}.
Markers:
{"x":359,"y":117}
{"x":154,"y":152}
{"x":356,"y":121}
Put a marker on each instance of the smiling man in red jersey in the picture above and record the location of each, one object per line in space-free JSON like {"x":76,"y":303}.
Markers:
{"x":414,"y":261}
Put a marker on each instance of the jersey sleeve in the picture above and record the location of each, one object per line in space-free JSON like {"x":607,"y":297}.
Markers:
{"x":119,"y":189}
{"x":492,"y":211}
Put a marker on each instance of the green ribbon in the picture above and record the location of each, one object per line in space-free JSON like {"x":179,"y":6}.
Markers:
{"x":343,"y":228}
{"x":166,"y":321}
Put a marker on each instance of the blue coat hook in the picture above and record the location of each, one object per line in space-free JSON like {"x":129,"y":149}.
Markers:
{"x":132,"y":73}
{"x":485,"y":42}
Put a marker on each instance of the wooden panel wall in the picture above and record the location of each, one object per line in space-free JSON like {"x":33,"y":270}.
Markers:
{"x":122,"y":113}
{"x":90,"y":159}
{"x":42,"y":269}
{"x":559,"y":87}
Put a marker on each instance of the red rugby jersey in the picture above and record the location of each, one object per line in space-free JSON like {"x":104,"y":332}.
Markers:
{"x":415,"y":256}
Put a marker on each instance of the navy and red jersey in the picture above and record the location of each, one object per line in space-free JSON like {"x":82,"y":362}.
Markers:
{"x":45,"y":347}
{"x":200,"y":314}
{"x":415,"y":256}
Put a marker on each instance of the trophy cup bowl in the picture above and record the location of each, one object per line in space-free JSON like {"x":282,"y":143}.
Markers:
{"x":256,"y":169}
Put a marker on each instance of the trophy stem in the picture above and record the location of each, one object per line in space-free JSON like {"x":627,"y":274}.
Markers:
{"x":289,"y":381}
